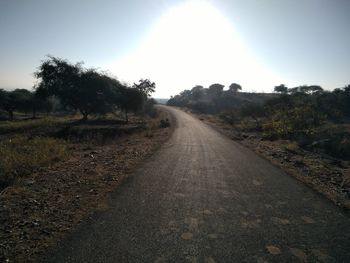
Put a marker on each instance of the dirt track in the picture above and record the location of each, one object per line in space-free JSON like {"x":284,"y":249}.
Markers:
{"x":204,"y":198}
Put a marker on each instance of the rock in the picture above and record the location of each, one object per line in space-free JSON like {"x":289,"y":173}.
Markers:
{"x":29,"y":182}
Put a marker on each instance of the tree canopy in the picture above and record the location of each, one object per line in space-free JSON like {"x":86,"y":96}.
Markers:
{"x":89,"y":90}
{"x":234,"y":87}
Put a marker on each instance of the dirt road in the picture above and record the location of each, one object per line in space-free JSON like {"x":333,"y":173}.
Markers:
{"x":204,"y":198}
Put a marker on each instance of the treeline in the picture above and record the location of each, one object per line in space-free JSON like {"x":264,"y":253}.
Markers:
{"x":314,"y":118}
{"x":298,"y":110}
{"x":215,"y":99}
{"x":76,"y":88}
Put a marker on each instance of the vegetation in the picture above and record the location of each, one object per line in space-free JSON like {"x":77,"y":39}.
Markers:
{"x":215,"y":99}
{"x":73,"y":88}
{"x":315,"y":119}
{"x":20,"y":156}
{"x":31,"y":137}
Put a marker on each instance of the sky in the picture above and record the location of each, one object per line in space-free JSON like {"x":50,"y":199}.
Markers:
{"x":181,"y":43}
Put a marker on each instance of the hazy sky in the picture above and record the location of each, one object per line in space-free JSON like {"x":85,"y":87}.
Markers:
{"x":179,"y":44}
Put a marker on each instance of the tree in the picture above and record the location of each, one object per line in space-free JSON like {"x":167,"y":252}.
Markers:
{"x":59,"y":77}
{"x":234,"y":87}
{"x":146,"y":86}
{"x":315,"y":89}
{"x":293,"y":90}
{"x":197,"y":92}
{"x":281,"y":89}
{"x":306,"y":89}
{"x":132,"y":100}
{"x":93,"y":93}
{"x":215,"y":90}
{"x":85,"y":90}
{"x":20,"y":99}
{"x":310,"y":89}
{"x":3,"y":100}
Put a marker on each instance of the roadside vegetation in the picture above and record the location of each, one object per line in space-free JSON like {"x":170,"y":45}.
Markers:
{"x":312,"y":118}
{"x":64,"y":145}
{"x":69,"y":104}
{"x":21,"y":156}
{"x":304,"y":130}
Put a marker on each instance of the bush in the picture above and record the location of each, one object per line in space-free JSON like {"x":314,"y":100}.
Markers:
{"x":229,"y":117}
{"x":149,"y":108}
{"x":20,"y":156}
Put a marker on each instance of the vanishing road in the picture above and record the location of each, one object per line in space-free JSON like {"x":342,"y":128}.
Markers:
{"x":204,"y":198}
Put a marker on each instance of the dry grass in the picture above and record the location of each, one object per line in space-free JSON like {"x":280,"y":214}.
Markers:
{"x":20,"y":156}
{"x":153,"y":124}
{"x":291,"y":147}
{"x":43,"y":124}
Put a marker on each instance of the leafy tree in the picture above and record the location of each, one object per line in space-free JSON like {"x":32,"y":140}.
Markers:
{"x":293,"y":90}
{"x":93,"y":93}
{"x":197,"y":92}
{"x":281,"y":89}
{"x":85,"y":90}
{"x":3,"y":101}
{"x":59,"y":77}
{"x":215,"y":90}
{"x":146,"y":86}
{"x":132,"y":100}
{"x":42,"y":100}
{"x":310,"y":89}
{"x":234,"y":87}
{"x":18,"y":99}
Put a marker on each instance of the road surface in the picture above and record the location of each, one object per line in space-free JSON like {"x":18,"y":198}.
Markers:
{"x":204,"y":198}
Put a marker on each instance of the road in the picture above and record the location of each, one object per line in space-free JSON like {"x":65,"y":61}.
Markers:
{"x":204,"y":198}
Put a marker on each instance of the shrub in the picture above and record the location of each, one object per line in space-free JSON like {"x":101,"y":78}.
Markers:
{"x":229,"y":117}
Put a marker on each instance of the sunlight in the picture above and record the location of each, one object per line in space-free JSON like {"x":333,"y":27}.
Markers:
{"x":194,"y":44}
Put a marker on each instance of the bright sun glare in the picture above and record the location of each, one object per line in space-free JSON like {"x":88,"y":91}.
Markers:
{"x":194,"y":44}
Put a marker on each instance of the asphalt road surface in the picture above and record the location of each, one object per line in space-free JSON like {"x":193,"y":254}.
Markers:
{"x":204,"y":198}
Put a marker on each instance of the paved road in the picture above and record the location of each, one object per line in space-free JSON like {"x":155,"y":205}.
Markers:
{"x":205,"y":198}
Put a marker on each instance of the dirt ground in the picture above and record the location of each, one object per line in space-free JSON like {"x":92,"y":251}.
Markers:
{"x":38,"y":211}
{"x":328,"y":176}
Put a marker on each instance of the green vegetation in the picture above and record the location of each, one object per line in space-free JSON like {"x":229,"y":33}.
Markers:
{"x":308,"y":116}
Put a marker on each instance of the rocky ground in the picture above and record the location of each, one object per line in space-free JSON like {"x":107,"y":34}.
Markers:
{"x":38,"y":211}
{"x":327,"y":175}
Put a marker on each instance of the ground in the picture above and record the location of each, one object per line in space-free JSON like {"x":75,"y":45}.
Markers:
{"x":41,"y":208}
{"x":329,"y":176}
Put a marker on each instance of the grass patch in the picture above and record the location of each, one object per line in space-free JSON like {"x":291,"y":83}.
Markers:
{"x":20,"y":156}
{"x":37,"y":126}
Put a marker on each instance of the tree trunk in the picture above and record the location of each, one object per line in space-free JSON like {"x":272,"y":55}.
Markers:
{"x":10,"y":115}
{"x":34,"y":113}
{"x":257,"y":123}
{"x":85,"y":115}
{"x":126,"y":116}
